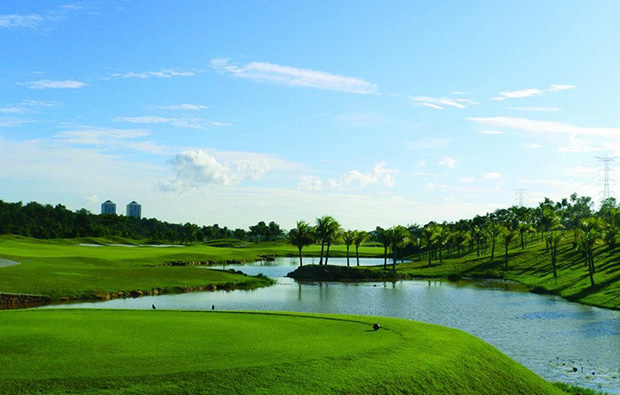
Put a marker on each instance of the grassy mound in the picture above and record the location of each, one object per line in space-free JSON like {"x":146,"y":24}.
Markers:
{"x":170,"y":352}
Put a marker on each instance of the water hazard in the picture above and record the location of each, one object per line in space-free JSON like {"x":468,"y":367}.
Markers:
{"x":559,"y":340}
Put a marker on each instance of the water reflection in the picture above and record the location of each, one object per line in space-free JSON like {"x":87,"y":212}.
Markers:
{"x":547,"y":334}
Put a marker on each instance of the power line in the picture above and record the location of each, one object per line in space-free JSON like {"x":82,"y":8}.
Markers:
{"x":608,"y":172}
{"x":520,"y":196}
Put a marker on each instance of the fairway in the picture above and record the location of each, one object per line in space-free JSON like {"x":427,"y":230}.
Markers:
{"x":166,"y":352}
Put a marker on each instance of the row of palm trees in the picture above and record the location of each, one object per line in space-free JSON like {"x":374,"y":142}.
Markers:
{"x":516,"y":226}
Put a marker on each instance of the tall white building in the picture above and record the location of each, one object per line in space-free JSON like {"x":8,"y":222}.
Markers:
{"x":108,"y":207}
{"x":134,"y":210}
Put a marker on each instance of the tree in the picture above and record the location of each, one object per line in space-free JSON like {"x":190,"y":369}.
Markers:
{"x":301,"y":236}
{"x":399,"y":238}
{"x":441,"y":235}
{"x":359,"y":238}
{"x":492,"y":230}
{"x":508,"y":235}
{"x":589,"y":235}
{"x":348,"y":237}
{"x":428,"y":236}
{"x":326,"y":231}
{"x":384,"y":236}
{"x":554,"y":239}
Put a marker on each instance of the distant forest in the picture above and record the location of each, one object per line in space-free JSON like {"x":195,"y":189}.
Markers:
{"x":49,"y":222}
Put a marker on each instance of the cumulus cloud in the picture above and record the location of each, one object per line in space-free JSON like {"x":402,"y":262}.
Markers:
{"x":293,"y":76}
{"x":196,"y":168}
{"x":448,"y":162}
{"x":357,"y":179}
{"x":48,"y":84}
{"x":310,"y":183}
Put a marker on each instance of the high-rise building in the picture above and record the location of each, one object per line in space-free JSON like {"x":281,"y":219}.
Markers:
{"x":134,"y":210}
{"x":108,"y":207}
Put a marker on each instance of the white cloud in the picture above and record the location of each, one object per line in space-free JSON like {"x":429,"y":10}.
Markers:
{"x":196,"y":168}
{"x":448,"y":162}
{"x":357,"y":179}
{"x":522,"y":93}
{"x":491,"y":132}
{"x":531,"y":92}
{"x":12,"y":110}
{"x":358,"y":119}
{"x":437,"y":103}
{"x":460,"y":93}
{"x":144,"y":119}
{"x":164,"y":73}
{"x":435,"y":106}
{"x":421,"y":163}
{"x":190,"y":123}
{"x":492,"y":175}
{"x":559,"y":87}
{"x":183,"y":106}
{"x":310,"y":183}
{"x":532,"y":146}
{"x":292,"y":76}
{"x":110,"y":138}
{"x":48,"y":84}
{"x":546,"y":127}
{"x":6,"y":122}
{"x":16,"y":21}
{"x":468,"y":180}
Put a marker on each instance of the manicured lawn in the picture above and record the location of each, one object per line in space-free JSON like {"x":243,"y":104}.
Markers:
{"x":64,"y":268}
{"x":173,"y":352}
{"x":532,"y":267}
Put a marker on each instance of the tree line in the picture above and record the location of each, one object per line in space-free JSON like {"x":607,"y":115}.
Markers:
{"x":48,"y":222}
{"x":573,"y":219}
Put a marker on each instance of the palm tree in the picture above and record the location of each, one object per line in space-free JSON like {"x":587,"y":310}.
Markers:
{"x":554,"y":239}
{"x":589,"y":235}
{"x":301,"y":236}
{"x":325,"y":230}
{"x":348,"y":237}
{"x":508,"y":235}
{"x":492,"y":230}
{"x":385,"y":238}
{"x":428,"y":235}
{"x":399,"y":239}
{"x":359,"y":238}
{"x":441,"y":235}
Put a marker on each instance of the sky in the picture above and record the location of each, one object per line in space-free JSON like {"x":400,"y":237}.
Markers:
{"x":376,"y":113}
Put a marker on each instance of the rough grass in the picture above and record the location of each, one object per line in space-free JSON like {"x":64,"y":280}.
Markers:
{"x":532,"y":267}
{"x":172,"y":352}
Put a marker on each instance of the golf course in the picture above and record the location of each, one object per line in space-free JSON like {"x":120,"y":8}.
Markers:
{"x":165,"y":352}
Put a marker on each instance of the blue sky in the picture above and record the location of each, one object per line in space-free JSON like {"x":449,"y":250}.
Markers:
{"x":378,"y":113}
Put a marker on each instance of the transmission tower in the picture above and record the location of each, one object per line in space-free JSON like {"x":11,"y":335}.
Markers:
{"x":607,"y":174}
{"x":520,"y":196}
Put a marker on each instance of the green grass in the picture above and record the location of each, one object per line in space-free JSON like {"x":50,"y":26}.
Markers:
{"x":65,"y":269}
{"x":532,"y":267}
{"x":172,"y":352}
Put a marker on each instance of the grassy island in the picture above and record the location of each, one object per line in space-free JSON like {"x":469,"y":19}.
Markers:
{"x":171,"y":352}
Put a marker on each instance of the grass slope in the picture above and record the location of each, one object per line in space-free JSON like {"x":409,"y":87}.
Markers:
{"x":532,"y":267}
{"x":172,"y":352}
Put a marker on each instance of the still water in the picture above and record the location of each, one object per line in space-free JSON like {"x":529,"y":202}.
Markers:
{"x":545,"y":333}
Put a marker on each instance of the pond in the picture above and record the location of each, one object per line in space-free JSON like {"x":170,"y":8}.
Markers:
{"x":545,"y":333}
